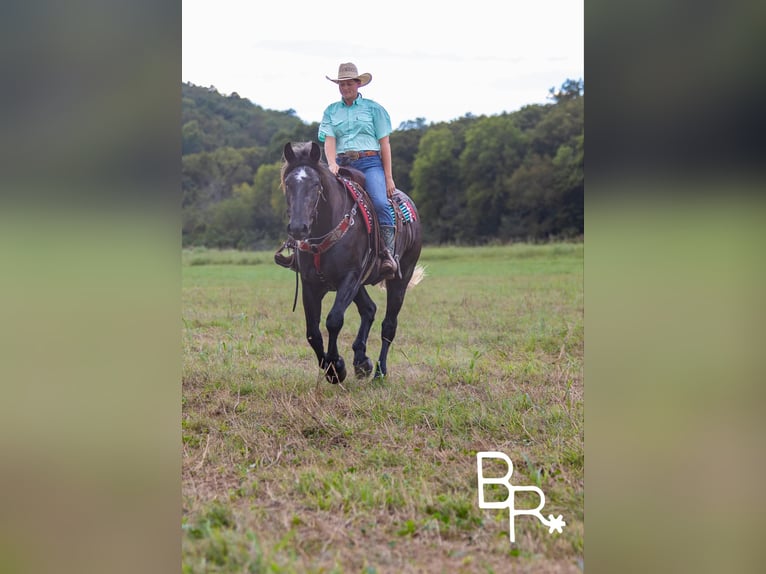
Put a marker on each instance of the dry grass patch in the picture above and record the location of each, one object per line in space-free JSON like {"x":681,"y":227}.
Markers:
{"x":283,"y":472}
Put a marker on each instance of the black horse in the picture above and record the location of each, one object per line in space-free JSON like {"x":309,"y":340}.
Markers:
{"x":334,"y":232}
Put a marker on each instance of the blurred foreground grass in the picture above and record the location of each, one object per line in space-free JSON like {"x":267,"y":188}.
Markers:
{"x":674,"y":312}
{"x":90,"y":364}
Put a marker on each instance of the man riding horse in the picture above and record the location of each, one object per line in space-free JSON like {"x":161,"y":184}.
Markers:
{"x":355,"y":132}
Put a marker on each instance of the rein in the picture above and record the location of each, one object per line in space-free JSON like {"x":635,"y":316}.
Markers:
{"x":295,"y":298}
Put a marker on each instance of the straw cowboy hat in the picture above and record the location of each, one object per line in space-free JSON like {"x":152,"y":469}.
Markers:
{"x":348,"y":71}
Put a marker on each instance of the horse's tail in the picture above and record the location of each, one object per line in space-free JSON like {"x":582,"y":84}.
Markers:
{"x":417,"y":276}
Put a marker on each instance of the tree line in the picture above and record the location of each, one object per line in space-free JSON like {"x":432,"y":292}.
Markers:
{"x":515,"y":176}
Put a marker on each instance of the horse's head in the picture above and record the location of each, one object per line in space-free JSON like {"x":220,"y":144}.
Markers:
{"x":302,"y":184}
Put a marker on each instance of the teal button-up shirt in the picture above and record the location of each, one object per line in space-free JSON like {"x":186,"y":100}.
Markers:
{"x":356,"y":127}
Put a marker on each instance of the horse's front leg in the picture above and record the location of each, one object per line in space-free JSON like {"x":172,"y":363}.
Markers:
{"x":347,"y":290}
{"x":366,"y":307}
{"x":312,"y":309}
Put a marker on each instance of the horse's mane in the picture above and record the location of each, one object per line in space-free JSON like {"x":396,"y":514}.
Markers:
{"x":302,"y":151}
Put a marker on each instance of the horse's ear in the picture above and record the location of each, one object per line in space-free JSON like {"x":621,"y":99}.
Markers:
{"x":288,"y":152}
{"x":316,"y":153}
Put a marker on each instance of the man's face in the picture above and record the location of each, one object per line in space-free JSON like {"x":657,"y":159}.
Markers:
{"x":349,"y":89}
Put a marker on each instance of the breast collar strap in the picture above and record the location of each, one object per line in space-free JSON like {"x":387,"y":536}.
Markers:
{"x":329,"y":240}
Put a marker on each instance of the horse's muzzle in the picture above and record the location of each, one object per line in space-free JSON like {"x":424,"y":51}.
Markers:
{"x":298,"y":231}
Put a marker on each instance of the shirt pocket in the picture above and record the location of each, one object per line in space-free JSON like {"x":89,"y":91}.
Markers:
{"x":337,"y":127}
{"x":364,"y":116}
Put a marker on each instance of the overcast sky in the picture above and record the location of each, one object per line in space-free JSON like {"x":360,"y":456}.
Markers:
{"x":429,"y":60}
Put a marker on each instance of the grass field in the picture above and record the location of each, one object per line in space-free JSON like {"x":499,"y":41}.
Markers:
{"x":283,"y":472}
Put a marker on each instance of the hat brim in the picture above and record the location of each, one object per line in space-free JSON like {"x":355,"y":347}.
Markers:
{"x":364,"y":79}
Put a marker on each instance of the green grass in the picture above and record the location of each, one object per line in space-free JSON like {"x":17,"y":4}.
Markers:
{"x":283,"y":472}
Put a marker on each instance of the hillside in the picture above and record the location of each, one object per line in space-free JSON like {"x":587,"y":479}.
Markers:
{"x":510,"y":177}
{"x":211,"y":120}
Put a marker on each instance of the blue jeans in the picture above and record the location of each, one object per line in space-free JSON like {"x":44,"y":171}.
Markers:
{"x":372,"y":167}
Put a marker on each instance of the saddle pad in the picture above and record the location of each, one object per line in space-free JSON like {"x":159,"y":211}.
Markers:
{"x":359,"y":198}
{"x":405,"y":208}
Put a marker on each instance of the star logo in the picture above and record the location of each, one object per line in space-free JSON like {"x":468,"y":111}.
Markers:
{"x":555,"y":523}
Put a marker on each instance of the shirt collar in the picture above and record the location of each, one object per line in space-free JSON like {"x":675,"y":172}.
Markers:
{"x":355,"y":102}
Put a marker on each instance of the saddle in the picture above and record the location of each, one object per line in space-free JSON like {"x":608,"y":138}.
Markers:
{"x":353,"y":174}
{"x":354,"y":180}
{"x":401,"y":211}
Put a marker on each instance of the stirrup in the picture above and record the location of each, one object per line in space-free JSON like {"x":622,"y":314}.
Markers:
{"x":389,"y":267}
{"x":287,"y":261}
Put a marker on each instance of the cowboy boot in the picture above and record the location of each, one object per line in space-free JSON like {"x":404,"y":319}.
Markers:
{"x":388,"y":266}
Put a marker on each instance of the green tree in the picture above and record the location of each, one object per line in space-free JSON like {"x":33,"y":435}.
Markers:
{"x":248,"y":219}
{"x":569,"y":177}
{"x":192,"y":138}
{"x":404,"y":147}
{"x":529,"y":116}
{"x":296,"y":133}
{"x":436,"y":187}
{"x":570,"y":90}
{"x":494,"y":149}
{"x":545,"y":197}
{"x":561,"y":123}
{"x":269,"y":214}
{"x":530,"y":208}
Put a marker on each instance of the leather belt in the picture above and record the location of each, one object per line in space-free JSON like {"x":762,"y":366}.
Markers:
{"x":355,"y":155}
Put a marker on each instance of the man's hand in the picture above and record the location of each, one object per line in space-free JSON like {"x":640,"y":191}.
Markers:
{"x":390,"y":187}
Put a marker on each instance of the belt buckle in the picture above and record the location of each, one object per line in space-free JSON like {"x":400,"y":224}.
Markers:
{"x":353,"y":155}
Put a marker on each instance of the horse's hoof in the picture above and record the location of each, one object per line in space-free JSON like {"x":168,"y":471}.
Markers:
{"x":363,"y":369}
{"x":379,"y":372}
{"x":336,"y":372}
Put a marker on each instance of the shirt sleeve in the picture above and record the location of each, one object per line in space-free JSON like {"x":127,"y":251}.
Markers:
{"x":325,"y":128}
{"x":381,"y":121}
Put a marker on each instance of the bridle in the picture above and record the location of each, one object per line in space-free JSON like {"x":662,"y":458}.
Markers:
{"x":321,"y":244}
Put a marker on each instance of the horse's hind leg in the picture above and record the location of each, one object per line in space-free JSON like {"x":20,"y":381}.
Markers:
{"x":367,"y":308}
{"x":395,"y":289}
